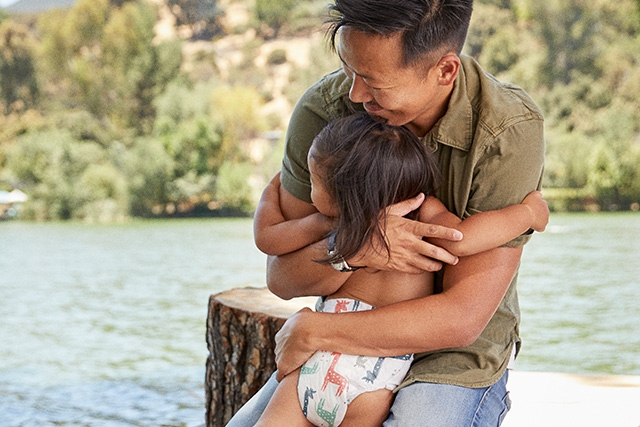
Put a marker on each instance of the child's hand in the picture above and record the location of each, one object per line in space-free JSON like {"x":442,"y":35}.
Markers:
{"x":539,"y":210}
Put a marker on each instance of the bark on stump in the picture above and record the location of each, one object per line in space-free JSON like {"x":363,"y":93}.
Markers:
{"x":241,"y":326}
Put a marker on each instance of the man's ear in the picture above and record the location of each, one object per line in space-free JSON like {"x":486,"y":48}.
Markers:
{"x":448,"y":67}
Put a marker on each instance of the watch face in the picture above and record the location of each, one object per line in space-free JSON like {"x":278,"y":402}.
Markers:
{"x":340,"y":266}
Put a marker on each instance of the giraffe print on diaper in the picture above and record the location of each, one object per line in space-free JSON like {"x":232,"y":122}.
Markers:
{"x":329,"y":381}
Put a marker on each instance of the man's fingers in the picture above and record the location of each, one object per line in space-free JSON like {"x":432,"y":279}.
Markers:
{"x":404,"y":207}
{"x":420,"y":256}
{"x":409,"y":251}
{"x":433,"y":255}
{"x":437,"y":232}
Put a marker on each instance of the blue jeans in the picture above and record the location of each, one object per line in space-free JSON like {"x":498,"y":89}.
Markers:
{"x":442,"y":405}
{"x":417,"y":405}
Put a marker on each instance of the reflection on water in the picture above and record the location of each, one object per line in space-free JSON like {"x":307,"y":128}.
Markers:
{"x":103,"y":325}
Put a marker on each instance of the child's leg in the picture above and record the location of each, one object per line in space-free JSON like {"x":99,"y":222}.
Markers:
{"x":369,"y":409}
{"x":284,"y":406}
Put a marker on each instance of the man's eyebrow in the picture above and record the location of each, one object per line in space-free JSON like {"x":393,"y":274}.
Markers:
{"x":359,"y":75}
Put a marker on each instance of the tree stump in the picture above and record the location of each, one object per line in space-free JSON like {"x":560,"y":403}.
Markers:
{"x":241,"y":326}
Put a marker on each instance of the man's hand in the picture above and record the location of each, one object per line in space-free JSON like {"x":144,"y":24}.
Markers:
{"x":409,"y":252}
{"x":290,"y":351}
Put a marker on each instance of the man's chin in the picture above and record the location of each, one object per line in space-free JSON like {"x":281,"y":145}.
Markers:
{"x":378,"y":118}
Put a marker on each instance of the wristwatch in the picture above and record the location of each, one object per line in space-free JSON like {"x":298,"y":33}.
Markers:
{"x":340,"y":265}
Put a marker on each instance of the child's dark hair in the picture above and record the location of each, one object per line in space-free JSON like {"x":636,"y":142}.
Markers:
{"x":365,"y":166}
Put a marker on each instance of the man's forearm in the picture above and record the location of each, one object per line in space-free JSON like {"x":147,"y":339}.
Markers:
{"x":296,"y":274}
{"x":453,"y":318}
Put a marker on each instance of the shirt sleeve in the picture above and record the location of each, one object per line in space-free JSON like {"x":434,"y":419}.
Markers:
{"x":509,"y":168}
{"x":324,"y":101}
{"x":307,"y":120}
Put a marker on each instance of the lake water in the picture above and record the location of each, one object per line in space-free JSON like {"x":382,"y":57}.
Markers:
{"x":103,"y":325}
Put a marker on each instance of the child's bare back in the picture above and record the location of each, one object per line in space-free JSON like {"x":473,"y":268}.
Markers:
{"x":379,"y":288}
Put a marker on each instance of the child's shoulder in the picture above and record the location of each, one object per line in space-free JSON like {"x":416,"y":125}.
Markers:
{"x":430,"y":208}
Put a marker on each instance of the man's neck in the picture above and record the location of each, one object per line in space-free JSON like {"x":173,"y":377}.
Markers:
{"x":423,"y":124}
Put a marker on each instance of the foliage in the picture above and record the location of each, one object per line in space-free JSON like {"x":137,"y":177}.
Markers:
{"x":580,"y":61}
{"x":18,"y":86}
{"x":274,"y":16}
{"x":148,"y":169}
{"x":322,"y":62}
{"x":273,"y":13}
{"x":233,"y":190}
{"x":199,"y":15}
{"x":202,"y":129}
{"x":100,"y":120}
{"x":103,"y":59}
{"x":65,"y":176}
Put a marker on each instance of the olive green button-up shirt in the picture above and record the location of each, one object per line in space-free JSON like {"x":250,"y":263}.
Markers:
{"x":490,"y":149}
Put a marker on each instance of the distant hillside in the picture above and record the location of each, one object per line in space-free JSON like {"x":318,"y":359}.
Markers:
{"x":38,"y":6}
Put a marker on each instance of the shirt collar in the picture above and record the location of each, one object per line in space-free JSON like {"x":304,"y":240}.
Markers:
{"x":455,"y":128}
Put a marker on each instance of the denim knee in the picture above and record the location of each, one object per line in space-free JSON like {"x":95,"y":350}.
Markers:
{"x":251,"y":411}
{"x":444,"y":405}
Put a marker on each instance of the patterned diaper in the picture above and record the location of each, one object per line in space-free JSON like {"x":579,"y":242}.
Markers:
{"x":330,"y":381}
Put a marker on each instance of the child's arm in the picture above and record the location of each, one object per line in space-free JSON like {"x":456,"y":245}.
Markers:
{"x":274,"y":235}
{"x":487,"y":230}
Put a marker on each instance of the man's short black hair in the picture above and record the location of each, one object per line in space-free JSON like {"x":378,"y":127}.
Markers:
{"x":427,"y":27}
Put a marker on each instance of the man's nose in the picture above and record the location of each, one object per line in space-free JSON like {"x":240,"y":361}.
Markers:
{"x":359,"y":91}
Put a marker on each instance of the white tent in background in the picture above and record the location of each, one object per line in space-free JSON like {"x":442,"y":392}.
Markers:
{"x":17,"y":196}
{"x":8,"y":200}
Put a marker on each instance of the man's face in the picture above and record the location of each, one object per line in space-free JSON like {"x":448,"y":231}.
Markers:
{"x":397,"y":94}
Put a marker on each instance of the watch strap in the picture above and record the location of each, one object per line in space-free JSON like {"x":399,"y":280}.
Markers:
{"x":341,"y":264}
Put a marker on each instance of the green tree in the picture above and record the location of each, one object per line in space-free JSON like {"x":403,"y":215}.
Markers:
{"x":191,"y":139}
{"x":201,"y":16}
{"x":104,"y":59}
{"x":149,"y":170}
{"x":18,"y":85}
{"x":604,"y":175}
{"x":568,"y":31}
{"x":236,"y":108}
{"x":134,"y":74}
{"x":185,"y":127}
{"x":232,"y":187}
{"x":274,"y":13}
{"x":64,"y":176}
{"x":584,"y":68}
{"x":203,"y":127}
{"x":106,"y":194}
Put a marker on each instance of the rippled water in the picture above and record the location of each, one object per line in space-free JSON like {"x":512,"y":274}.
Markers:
{"x":103,"y":325}
{"x":580,"y":295}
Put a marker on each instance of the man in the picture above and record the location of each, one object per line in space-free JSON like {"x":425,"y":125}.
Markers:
{"x":402,"y":64}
